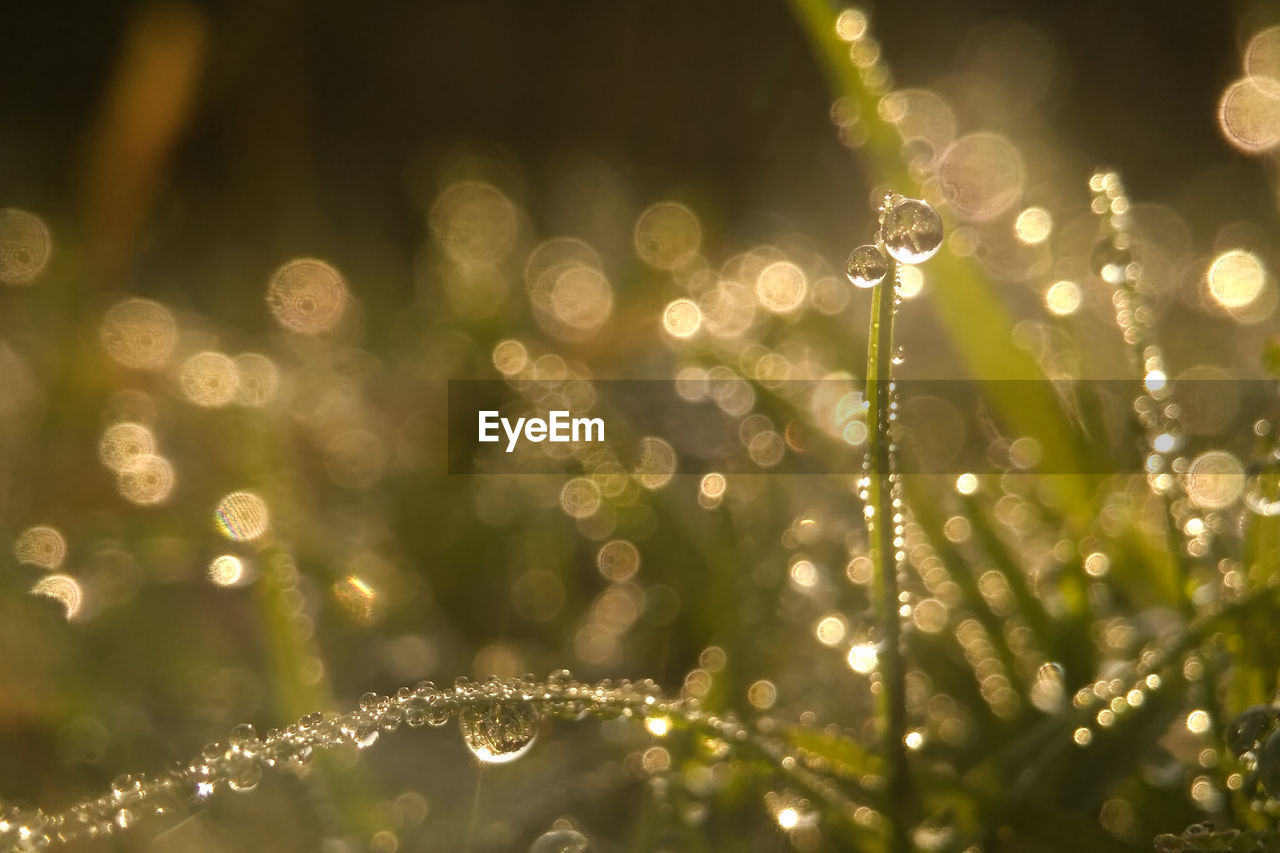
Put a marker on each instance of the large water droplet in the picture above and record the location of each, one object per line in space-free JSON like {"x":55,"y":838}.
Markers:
{"x":499,"y":733}
{"x":1247,"y":730}
{"x":867,"y":266}
{"x":560,"y":841}
{"x":911,"y":231}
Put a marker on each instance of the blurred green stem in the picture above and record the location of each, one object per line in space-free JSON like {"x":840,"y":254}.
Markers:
{"x":880,"y":527}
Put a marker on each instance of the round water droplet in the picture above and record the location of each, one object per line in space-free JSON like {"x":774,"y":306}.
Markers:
{"x":499,"y":733}
{"x":1247,"y":730}
{"x":391,"y":718}
{"x":867,"y":266}
{"x":245,"y":776}
{"x":438,"y":714}
{"x":244,"y":738}
{"x":366,"y":735}
{"x":560,"y":841}
{"x":911,"y":231}
{"x":416,"y":711}
{"x":898,"y":357}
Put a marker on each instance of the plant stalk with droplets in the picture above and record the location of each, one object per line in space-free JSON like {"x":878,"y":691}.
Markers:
{"x":910,"y":231}
{"x":499,"y":721}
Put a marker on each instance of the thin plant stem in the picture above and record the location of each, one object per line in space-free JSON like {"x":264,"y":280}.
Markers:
{"x":882,"y":516}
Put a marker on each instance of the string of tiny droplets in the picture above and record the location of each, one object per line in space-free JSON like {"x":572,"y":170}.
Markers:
{"x":1157,"y":412}
{"x":1158,"y":415}
{"x":238,"y":764}
{"x":1127,"y":691}
{"x":887,"y":416}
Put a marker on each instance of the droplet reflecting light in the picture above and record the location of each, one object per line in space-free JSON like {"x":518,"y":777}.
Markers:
{"x":911,"y":230}
{"x":499,"y":733}
{"x":866,"y":266}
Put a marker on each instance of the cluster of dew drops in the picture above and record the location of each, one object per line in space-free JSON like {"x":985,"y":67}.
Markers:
{"x":910,"y":233}
{"x":498,"y":720}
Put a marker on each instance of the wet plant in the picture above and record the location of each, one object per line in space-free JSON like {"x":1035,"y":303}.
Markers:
{"x":1000,"y":575}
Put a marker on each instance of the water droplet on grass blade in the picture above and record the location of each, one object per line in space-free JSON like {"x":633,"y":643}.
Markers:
{"x":244,"y":738}
{"x":366,"y":736}
{"x":911,"y":231}
{"x":867,"y":266}
{"x":245,"y":775}
{"x":499,"y":733}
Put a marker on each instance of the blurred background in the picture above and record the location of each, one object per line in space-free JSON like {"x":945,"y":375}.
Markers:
{"x":243,"y":248}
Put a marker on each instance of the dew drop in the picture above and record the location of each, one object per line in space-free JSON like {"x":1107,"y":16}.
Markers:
{"x":244,"y":737}
{"x":499,"y":733}
{"x":366,"y":735}
{"x":560,"y":841}
{"x":911,"y":231}
{"x":866,"y":266}
{"x":1246,"y":730}
{"x":245,"y":776}
{"x":438,"y":714}
{"x":898,"y":357}
{"x":416,"y":711}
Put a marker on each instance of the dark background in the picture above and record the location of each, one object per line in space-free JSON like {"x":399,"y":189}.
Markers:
{"x":311,"y":117}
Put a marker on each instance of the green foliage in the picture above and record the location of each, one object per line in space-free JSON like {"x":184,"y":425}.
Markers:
{"x":1016,"y":661}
